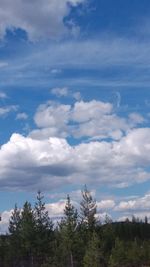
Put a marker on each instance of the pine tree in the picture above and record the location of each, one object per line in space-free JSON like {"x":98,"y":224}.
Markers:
{"x":43,"y":221}
{"x":68,"y":228}
{"x":14,"y":221}
{"x":71,"y":215}
{"x":88,"y":209}
{"x":15,"y":240}
{"x":27,"y":232}
{"x":44,"y":227}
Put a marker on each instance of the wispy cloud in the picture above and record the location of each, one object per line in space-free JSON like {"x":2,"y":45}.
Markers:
{"x":21,"y":116}
{"x":126,"y":58}
{"x":7,"y":109}
{"x":3,"y":95}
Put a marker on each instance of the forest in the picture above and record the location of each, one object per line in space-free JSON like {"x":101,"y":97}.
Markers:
{"x":79,"y":239}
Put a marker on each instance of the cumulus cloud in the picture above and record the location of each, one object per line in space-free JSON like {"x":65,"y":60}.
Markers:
{"x":35,"y":164}
{"x":136,"y":118}
{"x":84,"y":111}
{"x":45,"y":159}
{"x":50,"y":163}
{"x":93,"y":119}
{"x":56,"y":209}
{"x":139,"y":204}
{"x":47,"y":21}
{"x":105,"y":204}
{"x":53,"y":119}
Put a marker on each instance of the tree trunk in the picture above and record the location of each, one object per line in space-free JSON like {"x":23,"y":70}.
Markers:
{"x":71,"y":260}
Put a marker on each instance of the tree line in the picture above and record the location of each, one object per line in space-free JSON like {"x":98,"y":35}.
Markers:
{"x":77,"y":240}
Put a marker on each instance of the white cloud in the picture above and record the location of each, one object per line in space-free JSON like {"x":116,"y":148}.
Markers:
{"x":52,"y":118}
{"x":65,"y":92}
{"x":51,"y":163}
{"x":59,"y":92}
{"x":45,"y":159}
{"x":5,"y":216}
{"x":46,"y":22}
{"x":136,"y":118}
{"x":93,"y":119}
{"x":84,"y":111}
{"x":21,"y":116}
{"x":105,"y":204}
{"x":77,"y":96}
{"x":28,"y":163}
{"x":52,"y":114}
{"x":7,"y":109}
{"x":56,"y":209}
{"x":136,"y":205}
{"x":56,"y":71}
{"x":135,"y":147}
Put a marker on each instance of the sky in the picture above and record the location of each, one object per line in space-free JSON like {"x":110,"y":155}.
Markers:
{"x":75,"y":105}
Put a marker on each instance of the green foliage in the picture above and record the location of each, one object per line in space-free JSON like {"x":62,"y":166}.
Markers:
{"x":92,"y":256}
{"x":118,"y":254}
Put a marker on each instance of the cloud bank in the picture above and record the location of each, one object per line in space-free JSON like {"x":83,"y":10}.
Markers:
{"x":26,"y":163}
{"x":46,"y":22}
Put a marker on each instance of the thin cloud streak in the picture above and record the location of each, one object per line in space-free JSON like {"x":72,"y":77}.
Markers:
{"x":127,"y":59}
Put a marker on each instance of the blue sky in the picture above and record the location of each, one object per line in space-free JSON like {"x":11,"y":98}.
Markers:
{"x":75,"y":104}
